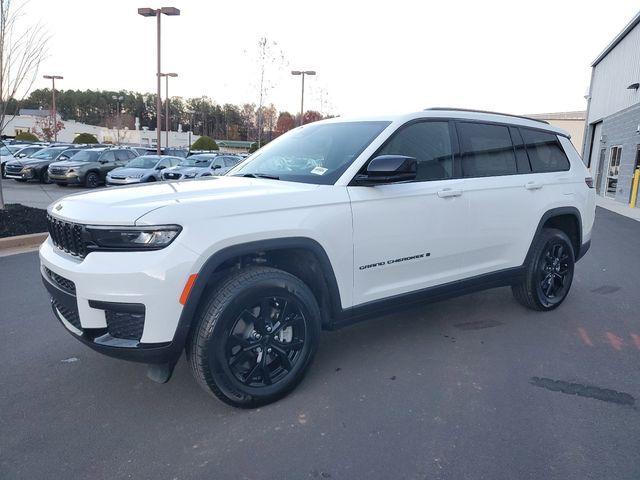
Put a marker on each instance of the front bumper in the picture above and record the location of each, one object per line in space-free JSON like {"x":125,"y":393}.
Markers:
{"x":123,"y":181}
{"x":68,"y":178}
{"x":109,"y":287}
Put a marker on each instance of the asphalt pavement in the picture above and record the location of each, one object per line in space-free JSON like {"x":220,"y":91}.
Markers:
{"x":35,"y":194}
{"x":475,"y":387}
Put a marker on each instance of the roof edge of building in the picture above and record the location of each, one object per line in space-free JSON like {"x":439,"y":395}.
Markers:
{"x":617,"y":39}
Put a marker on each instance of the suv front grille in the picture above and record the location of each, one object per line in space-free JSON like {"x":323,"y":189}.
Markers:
{"x":57,"y":170}
{"x":64,"y":283}
{"x":67,"y":236}
{"x":13,"y":169}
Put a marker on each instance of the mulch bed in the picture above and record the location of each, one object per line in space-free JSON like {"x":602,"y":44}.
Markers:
{"x":17,"y":219}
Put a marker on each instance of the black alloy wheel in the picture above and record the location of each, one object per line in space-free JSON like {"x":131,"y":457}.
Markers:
{"x":553,"y":270}
{"x":265,"y":341}
{"x":549,"y":271}
{"x":256,"y":334}
{"x":92,"y":180}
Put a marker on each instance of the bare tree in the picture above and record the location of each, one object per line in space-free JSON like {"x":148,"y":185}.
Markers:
{"x":22,"y":49}
{"x":270,"y":57}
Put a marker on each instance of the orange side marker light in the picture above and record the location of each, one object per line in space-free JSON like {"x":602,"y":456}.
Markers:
{"x":187,"y":288}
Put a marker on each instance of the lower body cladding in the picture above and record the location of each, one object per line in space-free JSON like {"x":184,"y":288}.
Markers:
{"x":122,"y":304}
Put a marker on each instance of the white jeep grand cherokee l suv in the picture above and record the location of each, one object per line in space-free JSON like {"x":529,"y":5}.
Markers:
{"x":332,"y":222}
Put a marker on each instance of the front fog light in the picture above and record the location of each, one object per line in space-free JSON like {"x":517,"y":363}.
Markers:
{"x":143,"y":238}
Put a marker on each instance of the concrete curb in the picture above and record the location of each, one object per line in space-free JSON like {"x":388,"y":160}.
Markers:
{"x":22,"y":241}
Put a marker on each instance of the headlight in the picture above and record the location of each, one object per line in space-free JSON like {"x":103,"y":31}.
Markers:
{"x":189,"y":175}
{"x":26,"y":170}
{"x":71,"y":170}
{"x":132,"y":238}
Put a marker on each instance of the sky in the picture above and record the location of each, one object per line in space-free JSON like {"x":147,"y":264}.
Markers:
{"x":371,"y":57}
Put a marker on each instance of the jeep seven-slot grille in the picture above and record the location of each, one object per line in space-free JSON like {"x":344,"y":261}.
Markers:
{"x":67,"y":236}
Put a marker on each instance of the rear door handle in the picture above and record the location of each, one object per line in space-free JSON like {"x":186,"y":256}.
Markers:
{"x":448,"y":192}
{"x":533,"y":186}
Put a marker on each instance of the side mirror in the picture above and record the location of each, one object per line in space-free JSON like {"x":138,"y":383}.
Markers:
{"x":388,"y":169}
{"x":21,"y":155}
{"x":63,"y":157}
{"x":161,"y":167}
{"x":216,"y":167}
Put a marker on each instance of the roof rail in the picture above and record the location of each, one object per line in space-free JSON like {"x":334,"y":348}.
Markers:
{"x":487,"y":111}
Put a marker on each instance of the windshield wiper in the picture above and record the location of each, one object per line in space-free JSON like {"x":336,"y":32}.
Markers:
{"x":258,"y":175}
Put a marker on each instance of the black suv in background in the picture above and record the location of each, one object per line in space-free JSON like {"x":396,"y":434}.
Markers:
{"x":90,"y":167}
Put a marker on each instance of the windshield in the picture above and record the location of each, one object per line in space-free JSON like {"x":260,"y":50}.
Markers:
{"x":86,"y":156}
{"x":5,"y":151}
{"x":197,"y":161}
{"x":315,"y":153}
{"x":143,"y":162}
{"x":47,"y":153}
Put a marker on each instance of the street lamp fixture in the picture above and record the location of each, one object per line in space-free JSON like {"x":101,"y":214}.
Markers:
{"x":166,"y":104}
{"x":118,"y":99}
{"x":302,"y":73}
{"x":54,"y":116}
{"x":158,"y":12}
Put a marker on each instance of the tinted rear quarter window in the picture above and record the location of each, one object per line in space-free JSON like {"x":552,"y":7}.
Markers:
{"x":486,"y":150}
{"x":545,"y":152}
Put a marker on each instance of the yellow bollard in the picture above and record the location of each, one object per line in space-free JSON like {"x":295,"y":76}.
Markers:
{"x":634,"y":188}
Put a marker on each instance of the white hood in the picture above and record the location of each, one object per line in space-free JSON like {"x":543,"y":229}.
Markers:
{"x":223,"y":195}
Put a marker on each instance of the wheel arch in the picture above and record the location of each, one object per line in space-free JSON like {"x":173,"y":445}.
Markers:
{"x":284,"y":253}
{"x":567,"y":219}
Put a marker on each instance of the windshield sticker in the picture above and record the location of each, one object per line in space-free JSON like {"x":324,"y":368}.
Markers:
{"x":319,"y":171}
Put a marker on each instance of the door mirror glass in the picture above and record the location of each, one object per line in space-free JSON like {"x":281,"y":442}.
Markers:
{"x":216,"y":167}
{"x":161,"y":167}
{"x":389,"y":169}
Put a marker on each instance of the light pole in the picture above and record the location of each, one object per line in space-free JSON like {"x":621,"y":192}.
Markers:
{"x":118,"y":99}
{"x":54,"y":117}
{"x":302,"y":73}
{"x":166,"y":104}
{"x":157,"y":12}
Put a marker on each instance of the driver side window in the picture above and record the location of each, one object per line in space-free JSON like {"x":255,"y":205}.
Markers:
{"x":429,"y":143}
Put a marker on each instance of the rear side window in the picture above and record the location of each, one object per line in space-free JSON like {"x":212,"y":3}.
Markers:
{"x":430,"y":144}
{"x":486,"y":150}
{"x":545,"y":152}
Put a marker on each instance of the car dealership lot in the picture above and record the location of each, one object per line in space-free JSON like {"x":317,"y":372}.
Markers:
{"x":475,"y":387}
{"x":33,"y":194}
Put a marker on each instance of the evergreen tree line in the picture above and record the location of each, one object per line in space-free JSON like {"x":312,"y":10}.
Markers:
{"x":201,"y":115}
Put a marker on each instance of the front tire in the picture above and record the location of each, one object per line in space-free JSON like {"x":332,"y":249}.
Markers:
{"x":92,"y":180}
{"x":549,"y":273}
{"x":44,"y":176}
{"x":255,"y":337}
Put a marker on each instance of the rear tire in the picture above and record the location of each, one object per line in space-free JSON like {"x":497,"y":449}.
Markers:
{"x":549,"y":272}
{"x":255,"y":337}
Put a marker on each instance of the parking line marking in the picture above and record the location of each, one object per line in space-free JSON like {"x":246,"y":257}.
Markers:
{"x":615,"y":341}
{"x":636,"y":340}
{"x":585,"y":336}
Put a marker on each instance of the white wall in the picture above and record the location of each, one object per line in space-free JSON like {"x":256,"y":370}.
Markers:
{"x":109,"y":135}
{"x":611,"y":77}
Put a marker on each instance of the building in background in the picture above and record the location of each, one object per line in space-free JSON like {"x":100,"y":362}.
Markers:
{"x":570,"y":122}
{"x":28,"y":121}
{"x":612,"y":134}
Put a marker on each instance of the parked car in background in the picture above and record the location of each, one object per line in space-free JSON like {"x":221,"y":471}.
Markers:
{"x":90,"y":167}
{"x":147,"y":168}
{"x":12,"y":152}
{"x":36,"y":165}
{"x":171,"y":151}
{"x":202,"y":165}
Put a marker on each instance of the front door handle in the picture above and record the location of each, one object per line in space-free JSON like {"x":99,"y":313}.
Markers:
{"x":448,"y":192}
{"x":533,"y":186}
